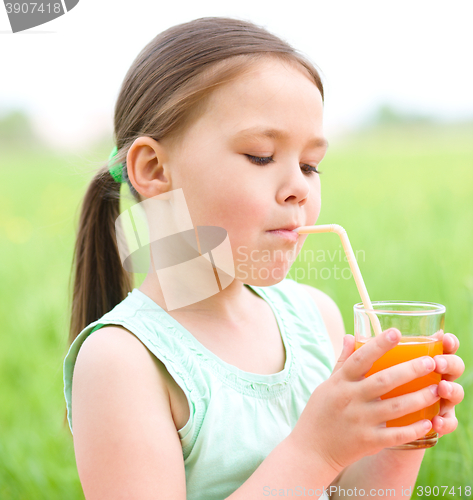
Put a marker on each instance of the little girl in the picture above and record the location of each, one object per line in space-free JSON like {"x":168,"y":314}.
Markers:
{"x":238,"y":395}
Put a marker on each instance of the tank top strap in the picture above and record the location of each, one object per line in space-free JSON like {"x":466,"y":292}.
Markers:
{"x":302,"y":319}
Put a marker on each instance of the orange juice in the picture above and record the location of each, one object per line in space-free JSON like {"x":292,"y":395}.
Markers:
{"x":407,"y":349}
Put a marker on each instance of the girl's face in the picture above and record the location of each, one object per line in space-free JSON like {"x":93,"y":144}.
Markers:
{"x":245,"y":165}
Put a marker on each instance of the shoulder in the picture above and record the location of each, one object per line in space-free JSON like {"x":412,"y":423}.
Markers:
{"x":116,"y":348}
{"x":330,"y":314}
{"x":122,"y":422}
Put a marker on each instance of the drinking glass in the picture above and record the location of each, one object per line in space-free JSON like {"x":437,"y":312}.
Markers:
{"x":422,"y":328}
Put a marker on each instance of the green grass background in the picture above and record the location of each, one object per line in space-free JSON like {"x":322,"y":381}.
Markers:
{"x":404,"y":194}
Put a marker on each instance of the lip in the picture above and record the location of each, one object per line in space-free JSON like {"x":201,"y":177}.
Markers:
{"x":289,"y":227}
{"x":285,"y":233}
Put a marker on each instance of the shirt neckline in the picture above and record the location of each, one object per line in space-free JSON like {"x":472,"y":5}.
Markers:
{"x":271,"y":378}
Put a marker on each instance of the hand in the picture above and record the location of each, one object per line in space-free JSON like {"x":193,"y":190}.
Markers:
{"x":451,"y":367}
{"x":345,"y":417}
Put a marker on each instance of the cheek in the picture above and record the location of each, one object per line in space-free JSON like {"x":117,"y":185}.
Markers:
{"x":240,"y":213}
{"x":226,"y":202}
{"x":313,"y":212}
{"x":313,"y":205}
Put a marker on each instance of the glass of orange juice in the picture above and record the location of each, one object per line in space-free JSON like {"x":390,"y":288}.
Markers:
{"x":422,"y":328}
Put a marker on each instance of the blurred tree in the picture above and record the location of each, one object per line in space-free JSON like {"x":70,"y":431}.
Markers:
{"x":387,"y":114}
{"x":16,"y":130}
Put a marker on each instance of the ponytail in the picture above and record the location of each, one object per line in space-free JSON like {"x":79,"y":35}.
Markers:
{"x":100,"y":281}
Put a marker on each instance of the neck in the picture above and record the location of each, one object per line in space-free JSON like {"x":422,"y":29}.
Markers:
{"x":230,"y":305}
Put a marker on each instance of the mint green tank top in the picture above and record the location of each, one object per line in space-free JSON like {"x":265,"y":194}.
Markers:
{"x":236,"y":417}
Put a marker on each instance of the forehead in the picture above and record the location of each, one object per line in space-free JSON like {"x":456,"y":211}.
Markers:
{"x":275,"y":91}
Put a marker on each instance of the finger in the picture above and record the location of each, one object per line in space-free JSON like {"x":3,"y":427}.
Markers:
{"x":391,"y":408}
{"x":446,"y":424}
{"x":450,"y":365}
{"x":395,"y":436}
{"x":347,"y":350}
{"x":451,"y":393}
{"x":450,"y":343}
{"x":380,"y":383}
{"x":360,"y":362}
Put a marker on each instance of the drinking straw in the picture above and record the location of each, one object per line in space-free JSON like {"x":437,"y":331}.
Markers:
{"x":360,"y":284}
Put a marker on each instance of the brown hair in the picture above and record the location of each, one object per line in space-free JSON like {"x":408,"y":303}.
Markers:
{"x":164,"y":91}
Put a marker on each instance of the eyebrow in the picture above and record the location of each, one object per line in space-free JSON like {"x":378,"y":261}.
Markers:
{"x":273,"y":133}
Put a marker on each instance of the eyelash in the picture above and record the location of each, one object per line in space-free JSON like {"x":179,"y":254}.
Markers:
{"x":260,"y":160}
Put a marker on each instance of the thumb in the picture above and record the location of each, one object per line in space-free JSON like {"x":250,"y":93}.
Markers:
{"x":347,"y":351}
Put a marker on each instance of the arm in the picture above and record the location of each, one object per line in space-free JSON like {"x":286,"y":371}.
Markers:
{"x":388,"y":469}
{"x":125,"y":440}
{"x":287,"y":468}
{"x":397,"y":470}
{"x":393,"y":469}
{"x":394,"y":472}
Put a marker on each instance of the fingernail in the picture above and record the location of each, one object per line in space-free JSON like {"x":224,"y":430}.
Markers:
{"x":441,"y":364}
{"x":448,"y":387}
{"x":439,"y":422}
{"x":391,"y":335}
{"x":434,"y":389}
{"x":427,"y":424}
{"x":428,"y":362}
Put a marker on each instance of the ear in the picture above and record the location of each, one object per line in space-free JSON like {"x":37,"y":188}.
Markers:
{"x":147,"y":167}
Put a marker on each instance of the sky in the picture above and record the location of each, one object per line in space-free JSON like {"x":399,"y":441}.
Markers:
{"x":415,"y":55}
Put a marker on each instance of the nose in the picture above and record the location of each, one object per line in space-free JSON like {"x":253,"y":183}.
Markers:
{"x":295,"y":185}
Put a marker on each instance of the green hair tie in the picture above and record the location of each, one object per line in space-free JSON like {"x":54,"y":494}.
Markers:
{"x":116,"y":171}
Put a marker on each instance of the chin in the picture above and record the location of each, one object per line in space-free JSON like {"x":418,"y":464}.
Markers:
{"x":265,"y":276}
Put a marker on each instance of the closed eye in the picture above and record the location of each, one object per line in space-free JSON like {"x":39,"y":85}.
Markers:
{"x":264,"y":160}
